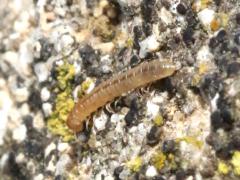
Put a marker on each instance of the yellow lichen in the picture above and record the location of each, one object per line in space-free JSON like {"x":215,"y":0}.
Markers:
{"x":191,"y":140}
{"x":64,"y":103}
{"x":196,"y":79}
{"x":129,"y":42}
{"x":84,"y":87}
{"x":223,"y":168}
{"x":135,"y":164}
{"x":235,"y":161}
{"x":158,"y":120}
{"x":158,"y":160}
{"x":171,"y":161}
{"x":203,"y":68}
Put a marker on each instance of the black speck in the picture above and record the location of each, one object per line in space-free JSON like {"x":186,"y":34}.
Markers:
{"x":134,"y":60}
{"x":34,"y":149}
{"x":224,"y":152}
{"x":188,"y":36}
{"x":233,"y":68}
{"x":88,"y":55}
{"x":154,"y":135}
{"x":13,"y":169}
{"x":34,"y":100}
{"x":117,"y":172}
{"x":132,"y":115}
{"x":138,"y":35}
{"x":158,"y":177}
{"x":28,"y":121}
{"x":59,"y":177}
{"x":69,"y":2}
{"x":46,"y":50}
{"x":238,"y":18}
{"x":181,"y":9}
{"x":221,"y":119}
{"x":213,"y":43}
{"x":168,"y":146}
{"x":147,"y":29}
{"x":218,"y":2}
{"x":148,"y":10}
{"x":237,"y":39}
{"x":221,"y":35}
{"x":211,"y":85}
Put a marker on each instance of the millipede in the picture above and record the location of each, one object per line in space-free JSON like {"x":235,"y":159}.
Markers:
{"x":123,"y":82}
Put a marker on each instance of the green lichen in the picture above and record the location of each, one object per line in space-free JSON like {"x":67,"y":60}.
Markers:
{"x":235,"y":161}
{"x":64,"y":102}
{"x":223,"y":168}
{"x":135,"y":164}
{"x":158,"y":160}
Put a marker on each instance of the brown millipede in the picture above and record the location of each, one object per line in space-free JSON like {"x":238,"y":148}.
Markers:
{"x":121,"y":83}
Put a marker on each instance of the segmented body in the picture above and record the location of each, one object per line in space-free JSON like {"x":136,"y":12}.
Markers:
{"x":121,"y":83}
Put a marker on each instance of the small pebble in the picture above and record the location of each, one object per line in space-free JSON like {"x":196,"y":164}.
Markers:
{"x":100,"y":122}
{"x":151,"y":171}
{"x":20,"y":133}
{"x":181,"y":9}
{"x":149,"y":44}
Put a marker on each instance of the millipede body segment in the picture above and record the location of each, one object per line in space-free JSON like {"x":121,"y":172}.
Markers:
{"x":121,"y":83}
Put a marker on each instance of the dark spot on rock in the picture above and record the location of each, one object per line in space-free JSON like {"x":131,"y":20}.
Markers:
{"x":168,"y":146}
{"x":235,"y":140}
{"x":233,"y":68}
{"x":221,"y":119}
{"x":88,"y":55}
{"x":122,"y":53}
{"x":59,"y":177}
{"x":213,"y":43}
{"x":128,"y":12}
{"x":224,"y":152}
{"x":147,"y":29}
{"x":28,"y":121}
{"x":34,"y":149}
{"x":191,"y":19}
{"x":181,"y":9}
{"x":130,"y":118}
{"x":164,"y":3}
{"x":159,"y":177}
{"x":46,"y":50}
{"x":217,"y":2}
{"x":117,"y":172}
{"x":134,"y":60}
{"x":69,"y":2}
{"x":235,"y":52}
{"x":221,"y":36}
{"x":238,"y":18}
{"x":13,"y":169}
{"x":153,"y":137}
{"x":54,"y":72}
{"x":113,"y":12}
{"x":138,"y":35}
{"x":211,"y":85}
{"x":209,"y":172}
{"x":183,"y":174}
{"x":132,"y":115}
{"x":148,"y":10}
{"x":78,"y":79}
{"x":187,"y":36}
{"x":237,"y":39}
{"x":91,"y":3}
{"x":34,"y":100}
